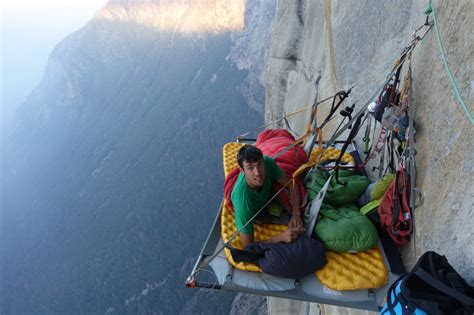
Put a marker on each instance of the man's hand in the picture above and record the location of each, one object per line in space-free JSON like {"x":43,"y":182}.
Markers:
{"x":288,"y":236}
{"x":295,"y":221}
{"x":246,"y":239}
{"x":291,"y":234}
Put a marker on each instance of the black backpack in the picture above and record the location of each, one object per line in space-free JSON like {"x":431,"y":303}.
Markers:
{"x":433,"y":287}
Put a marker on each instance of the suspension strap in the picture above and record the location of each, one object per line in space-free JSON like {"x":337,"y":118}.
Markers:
{"x":351,"y":137}
{"x":287,"y":123}
{"x":341,"y":95}
{"x":242,"y":136}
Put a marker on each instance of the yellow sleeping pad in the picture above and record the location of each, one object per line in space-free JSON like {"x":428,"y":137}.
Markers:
{"x":345,"y":271}
{"x":331,"y":154}
{"x":342,"y":272}
{"x":229,"y":156}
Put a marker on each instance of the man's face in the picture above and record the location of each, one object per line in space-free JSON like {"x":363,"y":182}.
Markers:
{"x":254,"y":173}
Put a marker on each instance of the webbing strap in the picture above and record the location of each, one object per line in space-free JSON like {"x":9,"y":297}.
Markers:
{"x":310,"y":129}
{"x":342,"y":96}
{"x":273,"y":122}
{"x":286,"y":116}
{"x":312,"y":161}
{"x":392,"y":301}
{"x":435,"y":283}
{"x":312,"y":123}
{"x":291,"y":145}
{"x":312,"y":213}
{"x":391,"y":154}
{"x":289,"y":127}
{"x":382,"y":156}
{"x":351,"y":137}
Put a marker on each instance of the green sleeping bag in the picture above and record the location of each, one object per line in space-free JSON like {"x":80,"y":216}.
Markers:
{"x":345,"y":229}
{"x":337,"y":194}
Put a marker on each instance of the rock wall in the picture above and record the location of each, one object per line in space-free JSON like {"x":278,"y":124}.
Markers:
{"x":319,"y":47}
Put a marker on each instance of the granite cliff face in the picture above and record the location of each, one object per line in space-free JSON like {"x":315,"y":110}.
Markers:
{"x":320,"y":47}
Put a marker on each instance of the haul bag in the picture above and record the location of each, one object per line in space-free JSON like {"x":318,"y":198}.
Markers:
{"x":431,"y":287}
{"x":396,"y":306}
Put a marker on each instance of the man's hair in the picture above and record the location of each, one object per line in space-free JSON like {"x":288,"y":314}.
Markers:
{"x":249,"y":154}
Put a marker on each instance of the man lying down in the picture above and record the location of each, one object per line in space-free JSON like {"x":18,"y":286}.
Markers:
{"x":252,"y":191}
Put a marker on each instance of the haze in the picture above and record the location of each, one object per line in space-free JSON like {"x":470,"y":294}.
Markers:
{"x":29,"y":32}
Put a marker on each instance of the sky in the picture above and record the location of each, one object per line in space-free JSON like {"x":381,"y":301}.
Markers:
{"x":29,"y":32}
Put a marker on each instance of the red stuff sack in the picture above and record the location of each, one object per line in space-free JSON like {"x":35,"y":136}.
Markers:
{"x":394,"y":211}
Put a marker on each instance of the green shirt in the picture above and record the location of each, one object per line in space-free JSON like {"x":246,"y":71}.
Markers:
{"x":246,"y":201}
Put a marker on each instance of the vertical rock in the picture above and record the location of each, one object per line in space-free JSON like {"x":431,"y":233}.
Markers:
{"x":318,"y":47}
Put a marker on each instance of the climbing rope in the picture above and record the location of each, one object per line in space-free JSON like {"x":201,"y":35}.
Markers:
{"x":431,"y":9}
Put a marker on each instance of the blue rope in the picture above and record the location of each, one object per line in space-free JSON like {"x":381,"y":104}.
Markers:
{"x":445,"y":62}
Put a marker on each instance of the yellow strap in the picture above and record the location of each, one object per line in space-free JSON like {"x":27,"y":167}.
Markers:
{"x":304,"y":138}
{"x":314,"y":158}
{"x":406,"y":83}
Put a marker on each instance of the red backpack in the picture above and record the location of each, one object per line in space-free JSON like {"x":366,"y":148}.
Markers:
{"x":394,"y":211}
